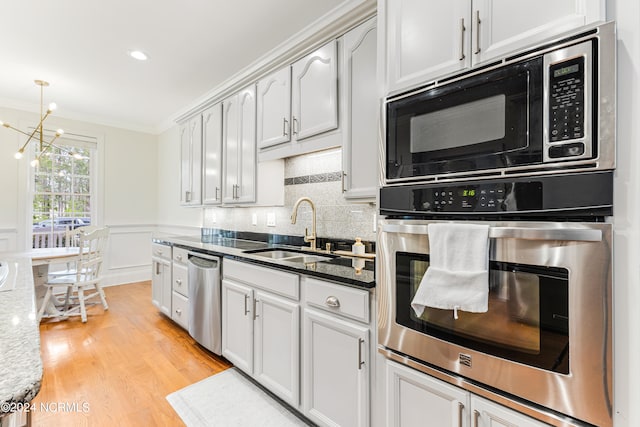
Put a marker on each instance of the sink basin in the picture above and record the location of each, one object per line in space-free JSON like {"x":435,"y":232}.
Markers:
{"x":290,"y":255}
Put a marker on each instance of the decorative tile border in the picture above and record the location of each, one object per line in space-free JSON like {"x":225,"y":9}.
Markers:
{"x":314,"y":179}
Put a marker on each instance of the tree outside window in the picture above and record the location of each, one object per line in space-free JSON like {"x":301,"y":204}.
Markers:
{"x":62,"y":193}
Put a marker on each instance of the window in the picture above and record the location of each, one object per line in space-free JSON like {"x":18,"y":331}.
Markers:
{"x":63,"y":189}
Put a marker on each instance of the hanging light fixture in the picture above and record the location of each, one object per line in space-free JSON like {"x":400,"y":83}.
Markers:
{"x":38,"y":132}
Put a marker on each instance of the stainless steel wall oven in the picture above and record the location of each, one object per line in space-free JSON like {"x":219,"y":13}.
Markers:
{"x":483,"y":149}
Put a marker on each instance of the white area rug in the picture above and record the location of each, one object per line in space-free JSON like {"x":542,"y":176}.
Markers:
{"x":229,"y":399}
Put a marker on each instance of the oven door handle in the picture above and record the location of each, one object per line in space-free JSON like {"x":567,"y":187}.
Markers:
{"x":524,"y":233}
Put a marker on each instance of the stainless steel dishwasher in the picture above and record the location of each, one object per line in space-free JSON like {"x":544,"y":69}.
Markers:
{"x":204,"y":301}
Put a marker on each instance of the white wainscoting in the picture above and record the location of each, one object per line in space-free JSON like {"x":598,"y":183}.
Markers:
{"x":8,"y":237}
{"x":129,"y":254}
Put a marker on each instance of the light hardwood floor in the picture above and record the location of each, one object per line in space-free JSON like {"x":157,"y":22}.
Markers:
{"x":116,"y":369}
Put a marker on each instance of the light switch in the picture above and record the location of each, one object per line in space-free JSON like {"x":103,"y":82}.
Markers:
{"x":213,"y":218}
{"x":271,"y":219}
{"x":254,"y":219}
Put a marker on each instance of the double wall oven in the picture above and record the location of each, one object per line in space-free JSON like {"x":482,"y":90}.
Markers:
{"x":527,"y":147}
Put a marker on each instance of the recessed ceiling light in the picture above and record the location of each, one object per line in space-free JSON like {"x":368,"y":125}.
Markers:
{"x":138,"y":54}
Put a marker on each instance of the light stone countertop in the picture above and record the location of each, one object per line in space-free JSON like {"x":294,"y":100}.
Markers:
{"x":20,"y":362}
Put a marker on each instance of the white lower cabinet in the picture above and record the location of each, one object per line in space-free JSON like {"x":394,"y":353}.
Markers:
{"x":161,"y":277}
{"x":417,"y":399}
{"x":336,"y":370}
{"x":260,"y":329}
{"x":180,"y":287}
{"x":336,"y":358}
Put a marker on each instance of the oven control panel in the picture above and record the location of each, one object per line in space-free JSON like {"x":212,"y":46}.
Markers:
{"x":568,"y":195}
{"x":492,"y":197}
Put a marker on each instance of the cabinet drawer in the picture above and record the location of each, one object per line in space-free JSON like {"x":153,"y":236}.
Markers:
{"x":339,"y":299}
{"x":161,"y":251}
{"x":276,"y":281}
{"x":180,"y":255}
{"x":180,"y":310}
{"x":180,"y":282}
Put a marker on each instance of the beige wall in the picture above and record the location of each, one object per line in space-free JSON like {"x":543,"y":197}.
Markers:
{"x":127,"y":196}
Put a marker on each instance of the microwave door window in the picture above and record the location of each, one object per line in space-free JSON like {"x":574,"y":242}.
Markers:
{"x":459,"y":126}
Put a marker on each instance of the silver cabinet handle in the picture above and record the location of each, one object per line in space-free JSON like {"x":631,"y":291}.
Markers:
{"x":255,"y":312}
{"x":179,"y":257}
{"x":295,"y":125}
{"x":476,"y":418}
{"x":187,"y":196}
{"x":477,"y":51}
{"x":285,"y":125}
{"x":460,"y":413}
{"x":217,"y":197}
{"x":332,"y":301}
{"x":179,"y":282}
{"x":360,"y":361}
{"x":564,"y":234}
{"x":157,"y":268}
{"x":462,"y":30}
{"x":344,"y":190}
{"x":246,"y":311}
{"x":158,"y":252}
{"x":178,"y":312}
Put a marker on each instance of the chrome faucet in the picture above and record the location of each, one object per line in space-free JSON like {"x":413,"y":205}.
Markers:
{"x":311,"y":237}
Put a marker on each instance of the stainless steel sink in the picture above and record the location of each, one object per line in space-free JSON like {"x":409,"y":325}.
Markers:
{"x":290,"y":255}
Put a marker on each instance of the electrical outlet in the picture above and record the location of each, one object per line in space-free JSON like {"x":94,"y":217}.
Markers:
{"x":213,"y":218}
{"x":271,"y":219}
{"x":254,"y":219}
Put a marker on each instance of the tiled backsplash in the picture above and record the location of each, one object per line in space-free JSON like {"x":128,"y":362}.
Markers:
{"x":317,"y":176}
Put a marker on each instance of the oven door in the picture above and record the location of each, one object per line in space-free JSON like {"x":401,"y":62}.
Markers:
{"x":546,"y":337}
{"x":487,"y":121}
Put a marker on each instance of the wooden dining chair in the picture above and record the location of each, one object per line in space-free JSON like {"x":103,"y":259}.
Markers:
{"x":85,"y":277}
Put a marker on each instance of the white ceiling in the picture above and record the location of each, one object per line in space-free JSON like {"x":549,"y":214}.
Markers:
{"x":80,"y":47}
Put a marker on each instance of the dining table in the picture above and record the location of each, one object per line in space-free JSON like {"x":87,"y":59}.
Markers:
{"x":41,"y":261}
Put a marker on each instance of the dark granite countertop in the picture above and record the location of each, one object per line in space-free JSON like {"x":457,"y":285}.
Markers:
{"x":352,"y":271}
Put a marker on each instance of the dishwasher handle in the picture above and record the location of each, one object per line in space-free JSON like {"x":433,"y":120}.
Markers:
{"x":204,"y":260}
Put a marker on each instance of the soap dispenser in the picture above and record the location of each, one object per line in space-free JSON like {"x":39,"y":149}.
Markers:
{"x":357,"y":248}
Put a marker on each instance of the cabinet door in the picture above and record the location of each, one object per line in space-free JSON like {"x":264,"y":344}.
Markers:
{"x":361,"y":104}
{"x":274,"y":108}
{"x":246,"y":191}
{"x":426,"y":40}
{"x":485,"y":413}
{"x":161,"y":285}
{"x":237,"y":325}
{"x":231,"y":147}
{"x":507,"y":25}
{"x":277,"y":346}
{"x":336,"y":371}
{"x":415,"y":399}
{"x":191,"y":162}
{"x":212,"y":155}
{"x":314,"y":92}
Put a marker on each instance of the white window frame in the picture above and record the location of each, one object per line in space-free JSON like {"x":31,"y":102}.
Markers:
{"x":27,"y":176}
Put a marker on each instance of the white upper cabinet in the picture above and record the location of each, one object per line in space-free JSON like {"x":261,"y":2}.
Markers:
{"x":239,"y":147}
{"x":315,"y":92}
{"x":360,"y":108}
{"x":191,"y":162}
{"x":212,"y":155}
{"x":425,"y":39}
{"x":429,"y":40}
{"x":298,"y":106}
{"x":274,"y":108}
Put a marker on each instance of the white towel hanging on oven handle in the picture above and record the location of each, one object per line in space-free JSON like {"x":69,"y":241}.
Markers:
{"x":458,"y":273}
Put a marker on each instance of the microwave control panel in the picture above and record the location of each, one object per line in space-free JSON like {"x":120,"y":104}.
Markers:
{"x":566,"y":100}
{"x":569,"y":95}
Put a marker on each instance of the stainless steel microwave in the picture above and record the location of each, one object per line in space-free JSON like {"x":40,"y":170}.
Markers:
{"x":547,"y":110}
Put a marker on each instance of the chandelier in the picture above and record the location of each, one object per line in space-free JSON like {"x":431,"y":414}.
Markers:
{"x":38,"y":132}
